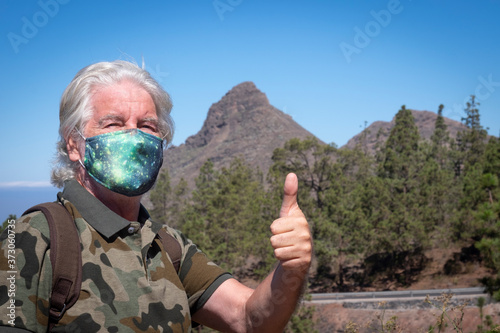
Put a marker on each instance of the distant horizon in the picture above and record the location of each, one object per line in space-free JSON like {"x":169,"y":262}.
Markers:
{"x":16,"y":200}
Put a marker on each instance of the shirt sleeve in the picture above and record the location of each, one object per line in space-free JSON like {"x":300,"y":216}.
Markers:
{"x":25,"y":262}
{"x":198,"y":274}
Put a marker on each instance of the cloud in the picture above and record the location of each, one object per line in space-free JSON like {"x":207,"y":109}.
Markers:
{"x":25,"y":183}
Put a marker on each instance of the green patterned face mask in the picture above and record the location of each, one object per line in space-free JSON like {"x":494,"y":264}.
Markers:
{"x":126,"y":162}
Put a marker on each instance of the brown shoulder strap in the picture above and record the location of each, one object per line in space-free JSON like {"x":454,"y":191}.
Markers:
{"x":172,"y":247}
{"x":65,"y":256}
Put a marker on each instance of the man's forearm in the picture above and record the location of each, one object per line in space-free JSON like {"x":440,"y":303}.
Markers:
{"x":275,"y":299}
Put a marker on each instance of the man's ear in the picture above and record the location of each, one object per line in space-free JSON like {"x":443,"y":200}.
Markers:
{"x":72,"y":147}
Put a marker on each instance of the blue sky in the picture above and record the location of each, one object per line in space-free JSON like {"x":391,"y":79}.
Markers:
{"x":331,"y":65}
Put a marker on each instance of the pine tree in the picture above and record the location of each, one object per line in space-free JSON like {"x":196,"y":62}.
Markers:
{"x":471,"y":148}
{"x":438,"y":189}
{"x":160,"y":196}
{"x":227,"y":218}
{"x":402,"y":234}
{"x":168,"y":203}
{"x":330,"y":193}
{"x":310,"y":161}
{"x":342,"y":230}
{"x":492,"y":156}
{"x":178,"y":202}
{"x":471,"y":141}
{"x":400,"y":147}
{"x":488,"y":216}
{"x":195,"y":215}
{"x":440,"y":140}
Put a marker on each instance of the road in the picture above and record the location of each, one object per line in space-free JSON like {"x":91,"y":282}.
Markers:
{"x":378,"y":296}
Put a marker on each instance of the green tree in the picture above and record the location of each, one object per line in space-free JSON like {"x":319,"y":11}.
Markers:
{"x":437,"y":199}
{"x":227,"y":218}
{"x":160,"y":197}
{"x":342,"y":230}
{"x":194,"y":223}
{"x":440,"y":140}
{"x":331,"y":188}
{"x":179,"y":202}
{"x":400,"y":148}
{"x":402,"y":234}
{"x":311,"y":161}
{"x":492,"y":157}
{"x":486,"y":230}
{"x":169,"y":202}
{"x":471,"y":141}
{"x":471,"y":148}
{"x":439,"y":190}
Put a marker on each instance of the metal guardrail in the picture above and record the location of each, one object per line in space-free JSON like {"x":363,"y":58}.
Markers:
{"x":396,"y":294}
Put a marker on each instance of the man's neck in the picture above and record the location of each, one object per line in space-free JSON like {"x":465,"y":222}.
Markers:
{"x":124,"y":206}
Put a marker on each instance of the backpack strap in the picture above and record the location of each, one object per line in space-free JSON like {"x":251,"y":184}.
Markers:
{"x":65,"y":256}
{"x":172,"y":247}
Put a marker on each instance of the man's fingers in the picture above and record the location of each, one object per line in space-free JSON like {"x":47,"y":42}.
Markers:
{"x":290,"y":190}
{"x":289,"y":231}
{"x":289,"y":223}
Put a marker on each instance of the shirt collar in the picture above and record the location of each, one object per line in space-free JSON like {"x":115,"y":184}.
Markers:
{"x":100,"y":217}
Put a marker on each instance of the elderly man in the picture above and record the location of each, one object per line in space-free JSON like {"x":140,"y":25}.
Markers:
{"x":114,"y":122}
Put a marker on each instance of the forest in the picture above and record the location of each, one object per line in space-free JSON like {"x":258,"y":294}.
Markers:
{"x":372,"y":216}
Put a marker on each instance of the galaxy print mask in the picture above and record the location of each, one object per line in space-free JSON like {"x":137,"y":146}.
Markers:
{"x":125,"y":162}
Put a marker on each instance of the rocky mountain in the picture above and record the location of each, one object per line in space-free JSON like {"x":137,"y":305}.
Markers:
{"x":243,"y":123}
{"x":425,"y":121}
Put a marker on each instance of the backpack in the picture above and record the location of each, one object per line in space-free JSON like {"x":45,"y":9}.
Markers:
{"x":66,"y":257}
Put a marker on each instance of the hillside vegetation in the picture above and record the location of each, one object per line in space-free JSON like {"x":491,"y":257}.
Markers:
{"x":375,"y":218}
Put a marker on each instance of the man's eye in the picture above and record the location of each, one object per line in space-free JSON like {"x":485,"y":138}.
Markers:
{"x":151,"y":128}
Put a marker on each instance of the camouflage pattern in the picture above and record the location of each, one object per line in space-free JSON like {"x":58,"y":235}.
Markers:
{"x":128,"y":281}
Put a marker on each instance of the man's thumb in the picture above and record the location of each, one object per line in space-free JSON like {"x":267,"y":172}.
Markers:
{"x":290,"y":190}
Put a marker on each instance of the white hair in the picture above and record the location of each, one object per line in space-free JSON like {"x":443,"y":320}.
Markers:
{"x":76,"y":108}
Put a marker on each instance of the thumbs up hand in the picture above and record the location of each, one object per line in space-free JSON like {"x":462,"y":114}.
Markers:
{"x":291,"y":240}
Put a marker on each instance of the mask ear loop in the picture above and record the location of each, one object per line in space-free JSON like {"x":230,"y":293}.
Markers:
{"x":84,"y":138}
{"x":163,"y":141}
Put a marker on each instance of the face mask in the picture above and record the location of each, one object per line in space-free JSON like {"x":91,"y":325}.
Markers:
{"x":125,"y":162}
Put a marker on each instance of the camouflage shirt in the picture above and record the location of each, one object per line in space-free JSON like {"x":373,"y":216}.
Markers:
{"x":128,"y":285}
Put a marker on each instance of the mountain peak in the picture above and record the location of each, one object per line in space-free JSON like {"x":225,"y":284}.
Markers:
{"x":245,"y":95}
{"x":241,"y":104}
{"x":245,"y":89}
{"x":242,"y":123}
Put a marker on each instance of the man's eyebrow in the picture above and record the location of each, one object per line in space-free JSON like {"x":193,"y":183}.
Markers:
{"x":150,"y":119}
{"x":108,"y":117}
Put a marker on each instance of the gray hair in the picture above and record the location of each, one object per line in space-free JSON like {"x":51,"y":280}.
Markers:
{"x":76,"y":108}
